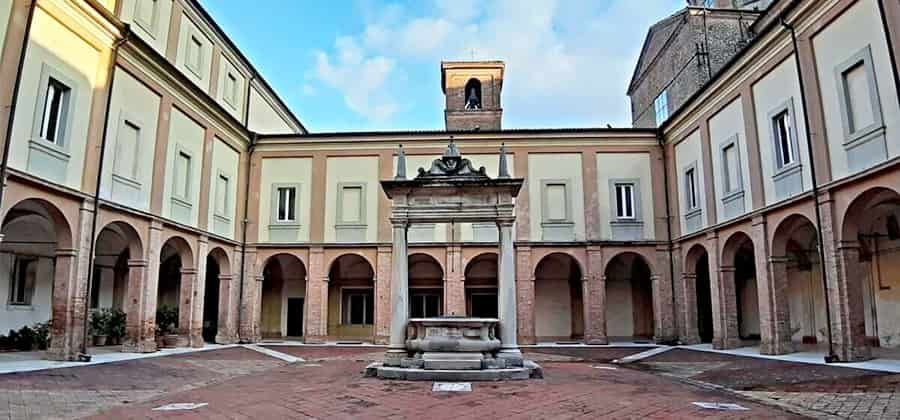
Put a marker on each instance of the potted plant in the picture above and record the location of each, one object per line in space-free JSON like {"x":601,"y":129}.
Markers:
{"x":99,"y":320}
{"x":115,"y":326}
{"x":41,"y":335}
{"x":166,"y":322}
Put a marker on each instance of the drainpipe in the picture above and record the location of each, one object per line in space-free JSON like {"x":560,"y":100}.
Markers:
{"x":126,"y":35}
{"x":662,"y":145}
{"x":244,"y":224}
{"x":831,"y":357}
{"x":14,"y":100}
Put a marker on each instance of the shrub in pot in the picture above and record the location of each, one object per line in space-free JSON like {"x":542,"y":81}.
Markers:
{"x":166,"y":322}
{"x":41,"y":335}
{"x":115,"y":326}
{"x":99,"y":320}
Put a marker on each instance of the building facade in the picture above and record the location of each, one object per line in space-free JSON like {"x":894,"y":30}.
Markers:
{"x":148,"y":164}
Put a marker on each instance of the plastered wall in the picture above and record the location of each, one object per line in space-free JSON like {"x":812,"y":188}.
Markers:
{"x":688,"y":153}
{"x":723,"y":128}
{"x":5,"y":10}
{"x":186,"y":135}
{"x":555,"y":166}
{"x":225,"y":161}
{"x":156,"y":35}
{"x":632,"y":166}
{"x":263,"y":118}
{"x":355,"y":170}
{"x":285,"y":171}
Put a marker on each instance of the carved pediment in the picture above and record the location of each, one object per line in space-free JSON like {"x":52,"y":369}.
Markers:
{"x":451,"y":164}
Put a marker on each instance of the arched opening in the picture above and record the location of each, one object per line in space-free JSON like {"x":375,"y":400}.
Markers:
{"x":216,"y":266}
{"x":426,"y":287}
{"x":115,"y":245}
{"x":629,"y":298}
{"x":481,"y":286}
{"x":558,"y":302}
{"x":33,"y":230}
{"x":351,"y":298}
{"x":739,"y":273}
{"x":796,"y":263}
{"x":697,"y":262}
{"x":873,"y":221}
{"x":473,"y":95}
{"x":173,"y":292}
{"x":283,"y":298}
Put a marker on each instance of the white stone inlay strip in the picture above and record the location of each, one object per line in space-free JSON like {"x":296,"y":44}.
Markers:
{"x":642,"y":355}
{"x":720,"y":406}
{"x":451,"y":387}
{"x":272,"y":353}
{"x":180,"y":406}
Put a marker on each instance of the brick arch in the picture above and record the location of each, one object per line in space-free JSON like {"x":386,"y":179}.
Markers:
{"x":646,"y":258}
{"x":222,"y":258}
{"x":785,"y":230}
{"x":131,"y":236}
{"x":862,"y":204}
{"x":365,"y":257}
{"x":423,"y":258}
{"x":470,"y":263}
{"x":264,"y":257}
{"x":183,"y":248}
{"x":692,"y":257}
{"x":39,"y":206}
{"x":732,"y":245}
{"x":538,"y":256}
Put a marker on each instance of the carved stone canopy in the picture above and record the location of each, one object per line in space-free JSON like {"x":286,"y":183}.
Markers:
{"x":452,"y":164}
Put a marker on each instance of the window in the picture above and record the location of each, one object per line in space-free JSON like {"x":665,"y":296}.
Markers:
{"x":425,"y":305}
{"x":359,"y":307}
{"x":731,"y":167}
{"x":221,"y":207}
{"x":556,"y":201}
{"x":129,"y":137}
{"x":231,"y":89}
{"x":146,"y":15}
{"x":625,"y":201}
{"x":23,"y":277}
{"x":858,"y":94}
{"x":782,"y":126}
{"x":690,"y":188}
{"x":182,"y":175}
{"x":53,"y":119}
{"x":351,"y":202}
{"x":286,"y":204}
{"x":194,"y":55}
{"x":661,"y":106}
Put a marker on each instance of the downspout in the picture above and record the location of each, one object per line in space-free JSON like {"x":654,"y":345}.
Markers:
{"x":670,"y":241}
{"x":15,"y":99}
{"x":126,"y":35}
{"x":891,"y":47}
{"x":831,"y":357}
{"x":244,"y":224}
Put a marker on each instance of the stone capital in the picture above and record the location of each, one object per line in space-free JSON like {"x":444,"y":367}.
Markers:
{"x":66,"y":252}
{"x":188,"y":271}
{"x":138,"y":263}
{"x":226,"y":277}
{"x":259,"y":278}
{"x":779,"y":259}
{"x":726,"y":269}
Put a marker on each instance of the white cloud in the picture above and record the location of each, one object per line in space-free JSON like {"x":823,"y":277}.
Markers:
{"x":568,"y":62}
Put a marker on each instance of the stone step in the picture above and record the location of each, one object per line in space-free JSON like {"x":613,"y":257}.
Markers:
{"x":452,"y":361}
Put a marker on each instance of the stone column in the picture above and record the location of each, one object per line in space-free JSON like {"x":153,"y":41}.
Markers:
{"x":725,"y":310}
{"x":848,"y":320}
{"x":187,"y":295}
{"x":140,"y":331}
{"x":383,"y":295}
{"x":67,"y":314}
{"x":227,"y":331}
{"x":399,"y":297}
{"x":454,"y":282}
{"x":775,"y":322}
{"x":690,"y":333}
{"x":663,"y":304}
{"x":317,"y":298}
{"x":594,"y":292}
{"x":506,"y":288}
{"x":248,"y":329}
{"x":525,"y":291}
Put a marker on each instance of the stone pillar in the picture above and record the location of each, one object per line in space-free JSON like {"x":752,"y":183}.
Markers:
{"x":848,"y":323}
{"x":506,"y":291}
{"x":187,"y":294}
{"x":594,"y":292}
{"x":454,"y":282}
{"x":525,"y":298}
{"x":198,"y":298}
{"x":690,"y":333}
{"x":140,"y":331}
{"x":772,"y":291}
{"x":726,"y":333}
{"x":399,"y":297}
{"x":383,"y":295}
{"x":248,"y":329}
{"x":67,"y":312}
{"x":663,"y":310}
{"x":317,"y":298}
{"x":227,"y":332}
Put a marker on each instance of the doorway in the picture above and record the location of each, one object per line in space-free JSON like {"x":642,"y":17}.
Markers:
{"x":295,"y":317}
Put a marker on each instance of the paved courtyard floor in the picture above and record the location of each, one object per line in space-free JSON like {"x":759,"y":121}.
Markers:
{"x":237,"y":383}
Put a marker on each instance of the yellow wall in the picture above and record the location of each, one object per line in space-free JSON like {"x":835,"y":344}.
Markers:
{"x":157,"y":36}
{"x":133,"y":101}
{"x":555,"y":166}
{"x":363,"y":170}
{"x":624,"y":166}
{"x":186,"y":134}
{"x":858,"y":27}
{"x":55,"y":46}
{"x":726,"y":124}
{"x":285,"y":171}
{"x":225,"y":160}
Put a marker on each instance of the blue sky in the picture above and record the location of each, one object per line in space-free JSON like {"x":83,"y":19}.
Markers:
{"x":375,"y":65}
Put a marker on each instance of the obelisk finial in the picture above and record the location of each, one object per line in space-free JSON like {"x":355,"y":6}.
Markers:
{"x":401,"y":164}
{"x":503,"y":171}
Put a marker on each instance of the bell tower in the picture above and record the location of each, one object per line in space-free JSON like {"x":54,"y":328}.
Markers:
{"x":472,"y":91}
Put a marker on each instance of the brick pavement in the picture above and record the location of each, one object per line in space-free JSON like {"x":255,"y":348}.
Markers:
{"x":815,"y":390}
{"x":80,"y":391}
{"x":336,"y":389}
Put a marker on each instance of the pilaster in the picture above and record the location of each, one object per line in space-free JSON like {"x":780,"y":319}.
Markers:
{"x":594,"y":292}
{"x":525,"y":295}
{"x":317,"y":297}
{"x":384,"y":272}
{"x":454,"y":282}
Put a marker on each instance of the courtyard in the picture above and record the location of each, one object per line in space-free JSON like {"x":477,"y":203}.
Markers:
{"x":292,"y":381}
